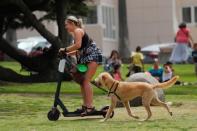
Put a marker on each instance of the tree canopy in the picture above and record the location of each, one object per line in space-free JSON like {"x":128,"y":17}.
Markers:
{"x":19,"y":14}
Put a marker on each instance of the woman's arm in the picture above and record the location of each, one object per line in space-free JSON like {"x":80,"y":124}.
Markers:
{"x":191,"y":40}
{"x":72,"y":53}
{"x":78,"y":34}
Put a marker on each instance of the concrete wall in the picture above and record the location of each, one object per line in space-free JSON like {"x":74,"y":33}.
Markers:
{"x":149,"y":21}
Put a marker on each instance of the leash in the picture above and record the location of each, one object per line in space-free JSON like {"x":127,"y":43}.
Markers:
{"x":110,"y":90}
{"x":114,"y":91}
{"x":102,"y":89}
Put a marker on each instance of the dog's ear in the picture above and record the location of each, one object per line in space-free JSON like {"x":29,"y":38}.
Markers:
{"x":104,"y":77}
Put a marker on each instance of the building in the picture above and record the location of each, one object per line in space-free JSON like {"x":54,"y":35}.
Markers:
{"x":149,"y":22}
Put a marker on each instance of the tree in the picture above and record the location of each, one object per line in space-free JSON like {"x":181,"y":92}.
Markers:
{"x":18,"y":14}
{"x":123,"y":31}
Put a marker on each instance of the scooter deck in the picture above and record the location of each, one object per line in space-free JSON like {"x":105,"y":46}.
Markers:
{"x":74,"y":114}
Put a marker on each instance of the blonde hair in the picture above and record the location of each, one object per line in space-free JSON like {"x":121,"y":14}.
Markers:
{"x":76,"y":21}
{"x":80,"y":23}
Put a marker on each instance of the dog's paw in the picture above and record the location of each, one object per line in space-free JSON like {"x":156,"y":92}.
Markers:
{"x":103,"y":120}
{"x":171,"y":113}
{"x":136,"y":117}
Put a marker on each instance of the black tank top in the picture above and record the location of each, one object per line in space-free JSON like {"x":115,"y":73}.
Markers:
{"x":86,"y":40}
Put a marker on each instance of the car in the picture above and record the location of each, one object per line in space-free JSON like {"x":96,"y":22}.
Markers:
{"x":32,"y":43}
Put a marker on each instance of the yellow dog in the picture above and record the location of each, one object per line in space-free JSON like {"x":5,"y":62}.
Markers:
{"x":125,"y":91}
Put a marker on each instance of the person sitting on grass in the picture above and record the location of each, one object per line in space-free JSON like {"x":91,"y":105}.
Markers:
{"x":114,"y":59}
{"x":116,"y":73}
{"x":137,"y":64}
{"x":194,"y":55}
{"x":167,"y":73}
{"x":156,"y":71}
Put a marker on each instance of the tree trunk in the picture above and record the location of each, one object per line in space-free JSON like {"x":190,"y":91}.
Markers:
{"x":61,"y":7}
{"x":1,"y":26}
{"x":11,"y":38}
{"x":123,"y":31}
{"x":11,"y":76}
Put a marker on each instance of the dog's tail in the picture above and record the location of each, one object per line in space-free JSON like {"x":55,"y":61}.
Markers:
{"x":167,"y":84}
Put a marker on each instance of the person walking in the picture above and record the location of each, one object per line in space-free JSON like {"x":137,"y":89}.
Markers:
{"x":183,"y":39}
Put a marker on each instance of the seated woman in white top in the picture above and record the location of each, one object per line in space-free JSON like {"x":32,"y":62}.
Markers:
{"x":167,"y":73}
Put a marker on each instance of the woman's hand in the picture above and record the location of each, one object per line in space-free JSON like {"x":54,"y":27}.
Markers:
{"x":62,"y":49}
{"x":62,"y":52}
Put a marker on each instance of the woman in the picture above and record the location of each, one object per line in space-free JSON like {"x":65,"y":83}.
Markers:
{"x":87,"y":53}
{"x":112,"y":60}
{"x":113,"y":65}
{"x":183,"y":38}
{"x":167,"y":73}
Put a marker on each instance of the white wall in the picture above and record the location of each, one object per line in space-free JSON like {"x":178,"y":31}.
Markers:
{"x":149,"y":21}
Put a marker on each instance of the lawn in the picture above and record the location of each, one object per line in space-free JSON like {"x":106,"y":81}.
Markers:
{"x":25,"y":107}
{"x":28,"y":113}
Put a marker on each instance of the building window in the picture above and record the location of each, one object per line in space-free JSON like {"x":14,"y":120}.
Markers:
{"x":109,"y":22}
{"x":186,"y":15}
{"x":91,"y":16}
{"x":189,"y":14}
{"x":195,"y":13}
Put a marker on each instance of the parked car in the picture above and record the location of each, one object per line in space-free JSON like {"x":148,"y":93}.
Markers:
{"x":31,"y":43}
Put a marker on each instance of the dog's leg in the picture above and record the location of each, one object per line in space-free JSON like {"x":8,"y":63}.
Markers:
{"x":155,"y":101}
{"x":127,"y":105}
{"x":146,"y":100}
{"x":111,"y":108}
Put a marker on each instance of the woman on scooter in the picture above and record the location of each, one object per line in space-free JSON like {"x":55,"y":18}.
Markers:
{"x":87,"y":53}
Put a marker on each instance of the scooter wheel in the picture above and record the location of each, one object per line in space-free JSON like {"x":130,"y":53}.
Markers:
{"x":53,"y":114}
{"x":105,"y":109}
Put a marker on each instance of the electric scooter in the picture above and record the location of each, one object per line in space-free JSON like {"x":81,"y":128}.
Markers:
{"x":67,"y":67}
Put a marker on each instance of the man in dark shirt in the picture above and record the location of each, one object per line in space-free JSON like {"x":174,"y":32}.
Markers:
{"x":194,"y":55}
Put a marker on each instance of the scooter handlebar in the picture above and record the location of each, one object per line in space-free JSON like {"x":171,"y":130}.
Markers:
{"x":62,"y":55}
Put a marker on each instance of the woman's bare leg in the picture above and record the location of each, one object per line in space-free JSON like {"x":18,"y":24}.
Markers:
{"x":87,"y":89}
{"x":83,"y":95}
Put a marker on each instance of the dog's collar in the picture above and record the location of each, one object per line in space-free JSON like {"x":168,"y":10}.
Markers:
{"x":113,"y":91}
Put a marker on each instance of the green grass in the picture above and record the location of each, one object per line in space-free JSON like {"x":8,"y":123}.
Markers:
{"x":24,"y":107}
{"x":28,"y":113}
{"x":186,"y":73}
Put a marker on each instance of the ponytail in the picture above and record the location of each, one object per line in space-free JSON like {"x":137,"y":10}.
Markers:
{"x":80,"y":23}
